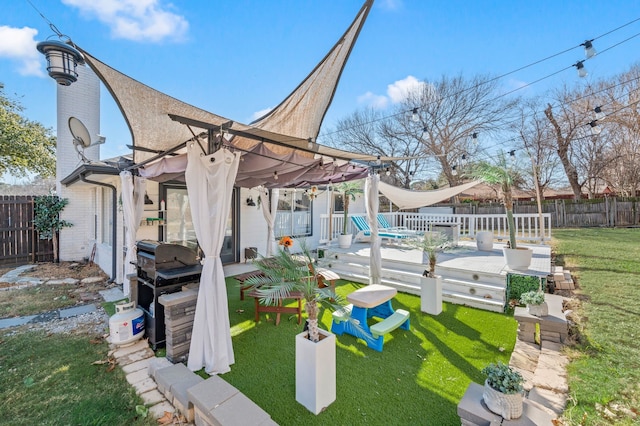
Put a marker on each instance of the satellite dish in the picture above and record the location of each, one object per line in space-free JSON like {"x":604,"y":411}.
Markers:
{"x":81,"y":137}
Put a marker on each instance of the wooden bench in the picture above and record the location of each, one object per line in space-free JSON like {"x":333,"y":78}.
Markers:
{"x":279,"y":308}
{"x":324,"y":276}
{"x":244,"y":277}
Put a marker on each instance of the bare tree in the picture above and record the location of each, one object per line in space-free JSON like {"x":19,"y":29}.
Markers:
{"x":443,"y":116}
{"x":368,"y":131}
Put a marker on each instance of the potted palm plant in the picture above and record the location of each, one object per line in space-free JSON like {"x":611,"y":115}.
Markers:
{"x":287,"y":273}
{"x":536,"y":305}
{"x":503,"y":390}
{"x":431,"y":284}
{"x":502,"y":173}
{"x":348,"y":190}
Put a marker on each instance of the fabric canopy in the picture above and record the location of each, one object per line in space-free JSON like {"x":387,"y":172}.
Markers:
{"x":132,"y":210}
{"x":408,"y":199}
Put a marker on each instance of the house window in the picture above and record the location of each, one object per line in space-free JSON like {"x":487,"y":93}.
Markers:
{"x":107,"y":217}
{"x":293,"y":217}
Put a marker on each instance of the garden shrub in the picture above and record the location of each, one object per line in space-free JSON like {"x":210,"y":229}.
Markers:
{"x":518,"y":284}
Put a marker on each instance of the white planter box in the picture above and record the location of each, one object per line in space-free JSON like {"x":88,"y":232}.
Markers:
{"x":484,"y":240}
{"x":518,"y":259}
{"x":316,"y":371}
{"x":431,"y":295}
{"x":344,"y":241}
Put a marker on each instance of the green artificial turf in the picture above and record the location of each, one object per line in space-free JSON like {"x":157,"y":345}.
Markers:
{"x":418,"y":378}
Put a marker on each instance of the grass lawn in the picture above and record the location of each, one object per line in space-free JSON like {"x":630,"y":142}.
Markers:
{"x":418,"y":378}
{"x":605,"y":372}
{"x":50,"y":380}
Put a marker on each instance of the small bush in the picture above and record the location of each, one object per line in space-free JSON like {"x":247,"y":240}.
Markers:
{"x":503,"y":378}
{"x":518,"y":284}
{"x":532,"y":298}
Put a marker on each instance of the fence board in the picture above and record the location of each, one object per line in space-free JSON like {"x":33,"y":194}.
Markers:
{"x":19,"y":241}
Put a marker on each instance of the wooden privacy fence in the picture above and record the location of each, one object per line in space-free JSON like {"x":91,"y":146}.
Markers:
{"x":19,"y":242}
{"x":607,"y":211}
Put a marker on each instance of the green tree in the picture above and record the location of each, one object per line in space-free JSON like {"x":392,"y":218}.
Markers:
{"x":25,"y":145}
{"x":47,"y":219}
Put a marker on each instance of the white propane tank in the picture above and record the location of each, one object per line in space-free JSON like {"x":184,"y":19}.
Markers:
{"x":127,"y":325}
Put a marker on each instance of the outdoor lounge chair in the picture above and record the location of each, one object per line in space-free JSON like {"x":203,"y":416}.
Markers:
{"x":364,"y":231}
{"x":384,"y":225}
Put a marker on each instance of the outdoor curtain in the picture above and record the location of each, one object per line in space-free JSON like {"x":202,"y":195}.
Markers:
{"x":132,"y":209}
{"x":409,"y":199}
{"x":372,"y":203}
{"x":269,"y":210}
{"x":210,"y":180}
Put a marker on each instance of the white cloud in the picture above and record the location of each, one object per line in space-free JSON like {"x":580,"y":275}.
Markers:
{"x":138,"y":20}
{"x":399,"y":90}
{"x":391,"y":4}
{"x":18,"y":44}
{"x":260,"y":114}
{"x":373,"y":100}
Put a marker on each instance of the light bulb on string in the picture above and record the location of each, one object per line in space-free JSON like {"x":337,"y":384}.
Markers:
{"x":582,"y":71}
{"x":454,"y":172}
{"x":595,"y":128}
{"x":599,"y":113}
{"x":378,"y":160}
{"x":589,"y":51}
{"x":388,"y":172}
{"x":414,"y":115}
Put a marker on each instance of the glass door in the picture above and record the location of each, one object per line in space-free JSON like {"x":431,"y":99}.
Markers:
{"x":178,"y":228}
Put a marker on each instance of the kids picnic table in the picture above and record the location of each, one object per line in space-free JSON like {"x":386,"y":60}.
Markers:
{"x":371,"y":301}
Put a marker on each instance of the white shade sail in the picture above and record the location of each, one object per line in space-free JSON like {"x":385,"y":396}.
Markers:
{"x":408,"y":199}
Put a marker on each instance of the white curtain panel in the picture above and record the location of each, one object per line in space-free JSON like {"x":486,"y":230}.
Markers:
{"x":372,"y":204}
{"x":210,"y":179}
{"x":269,"y":210}
{"x":132,"y":209}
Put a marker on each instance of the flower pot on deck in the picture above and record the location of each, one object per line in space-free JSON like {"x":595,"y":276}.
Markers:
{"x":316,"y":371}
{"x":344,"y":241}
{"x":518,"y":258}
{"x":484,"y":240}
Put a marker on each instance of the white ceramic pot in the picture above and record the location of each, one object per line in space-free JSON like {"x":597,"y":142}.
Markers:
{"x":518,"y":258}
{"x":344,"y":241}
{"x":316,"y":371}
{"x":538,"y":310}
{"x":508,"y":406}
{"x":431,"y":295}
{"x":484,"y":240}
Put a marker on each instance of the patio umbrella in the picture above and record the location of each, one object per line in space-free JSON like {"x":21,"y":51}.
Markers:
{"x":269,"y":212}
{"x":210,"y":180}
{"x":372,"y":203}
{"x":132,"y":209}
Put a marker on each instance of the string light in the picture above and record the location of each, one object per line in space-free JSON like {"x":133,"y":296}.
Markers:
{"x":599,"y":113}
{"x":414,"y":115}
{"x":582,"y":71}
{"x":275,"y":175}
{"x":595,"y":128}
{"x":454,"y":172}
{"x":378,"y":160}
{"x":589,"y":51}
{"x":388,"y":171}
{"x":310,"y":143}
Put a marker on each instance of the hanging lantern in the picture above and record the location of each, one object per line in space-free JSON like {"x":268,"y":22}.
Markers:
{"x":62,"y":60}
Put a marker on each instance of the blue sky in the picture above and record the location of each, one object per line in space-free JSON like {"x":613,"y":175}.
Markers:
{"x":237,"y":58}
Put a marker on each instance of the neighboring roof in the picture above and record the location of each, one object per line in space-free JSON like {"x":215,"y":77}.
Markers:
{"x":159,"y":122}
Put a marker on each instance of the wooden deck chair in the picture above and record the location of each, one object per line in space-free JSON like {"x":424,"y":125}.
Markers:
{"x":364,"y":231}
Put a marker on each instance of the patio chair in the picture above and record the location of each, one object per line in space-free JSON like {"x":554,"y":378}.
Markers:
{"x":384,"y":225}
{"x":364,"y":231}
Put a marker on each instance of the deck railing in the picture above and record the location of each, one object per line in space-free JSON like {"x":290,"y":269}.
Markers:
{"x":527,"y":224}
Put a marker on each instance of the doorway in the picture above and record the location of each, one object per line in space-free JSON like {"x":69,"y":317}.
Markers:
{"x":178,"y":228}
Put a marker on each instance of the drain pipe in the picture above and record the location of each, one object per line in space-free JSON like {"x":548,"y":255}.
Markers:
{"x":114,"y":203}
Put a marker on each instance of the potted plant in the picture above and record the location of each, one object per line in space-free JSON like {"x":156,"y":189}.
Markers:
{"x":503,"y":390}
{"x":431,"y":284}
{"x":348,"y":190}
{"x":286,"y":273}
{"x":536,"y":305}
{"x":502,"y":173}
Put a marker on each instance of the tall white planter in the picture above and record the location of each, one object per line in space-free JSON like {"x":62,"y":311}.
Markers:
{"x":316,"y":371}
{"x":431,"y":295}
{"x":518,"y":258}
{"x":484,"y":240}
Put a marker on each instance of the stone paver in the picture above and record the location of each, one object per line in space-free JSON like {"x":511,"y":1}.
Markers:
{"x":152,"y":397}
{"x":14,"y":274}
{"x":143,"y":364}
{"x":137,"y":376}
{"x":554,"y":401}
{"x":70,"y":281}
{"x":158,"y":410}
{"x":77,"y":310}
{"x":112,"y":295}
{"x":145,"y":386}
{"x":91,"y":280}
{"x":14,"y":322}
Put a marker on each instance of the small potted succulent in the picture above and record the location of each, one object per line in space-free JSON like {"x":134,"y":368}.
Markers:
{"x":503,"y":390}
{"x":536,"y":305}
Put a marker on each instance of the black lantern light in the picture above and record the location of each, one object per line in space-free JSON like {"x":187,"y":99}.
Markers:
{"x":62,"y":60}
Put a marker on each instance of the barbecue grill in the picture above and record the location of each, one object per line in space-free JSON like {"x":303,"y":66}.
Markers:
{"x":162,"y":268}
